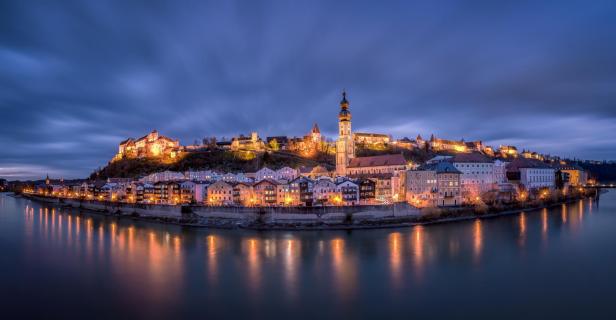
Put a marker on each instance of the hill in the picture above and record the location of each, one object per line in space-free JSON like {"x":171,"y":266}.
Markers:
{"x":225,"y":161}
{"x":228,"y":161}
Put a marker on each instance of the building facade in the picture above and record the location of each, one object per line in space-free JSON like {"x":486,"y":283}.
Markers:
{"x":436,"y":184}
{"x":345,"y":148}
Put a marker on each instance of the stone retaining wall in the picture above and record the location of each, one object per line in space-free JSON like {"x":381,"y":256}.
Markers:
{"x":246,"y":215}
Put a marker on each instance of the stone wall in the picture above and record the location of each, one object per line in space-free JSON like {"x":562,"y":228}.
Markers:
{"x":246,"y":215}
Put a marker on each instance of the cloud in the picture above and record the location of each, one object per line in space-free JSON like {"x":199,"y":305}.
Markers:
{"x":79,"y":77}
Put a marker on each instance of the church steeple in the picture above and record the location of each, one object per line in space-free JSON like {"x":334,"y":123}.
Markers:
{"x":345,"y":114}
{"x":345,"y":148}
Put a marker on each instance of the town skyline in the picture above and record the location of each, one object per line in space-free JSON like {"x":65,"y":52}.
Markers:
{"x":503,"y":75}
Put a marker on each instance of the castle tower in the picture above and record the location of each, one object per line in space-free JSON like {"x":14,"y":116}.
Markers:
{"x":315,"y":134}
{"x":345,"y":149}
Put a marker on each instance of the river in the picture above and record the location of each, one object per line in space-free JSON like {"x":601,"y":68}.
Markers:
{"x":61,"y":263}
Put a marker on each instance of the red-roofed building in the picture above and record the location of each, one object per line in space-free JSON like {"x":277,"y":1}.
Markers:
{"x":389,"y":163}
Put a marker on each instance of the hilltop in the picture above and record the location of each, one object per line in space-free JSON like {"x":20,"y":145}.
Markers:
{"x":222,"y":160}
{"x":230,"y":161}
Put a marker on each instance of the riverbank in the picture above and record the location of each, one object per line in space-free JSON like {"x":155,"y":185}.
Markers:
{"x":295,"y":218}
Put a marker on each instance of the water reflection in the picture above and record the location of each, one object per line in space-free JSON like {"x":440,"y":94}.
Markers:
{"x":417,"y":243}
{"x":164,"y":265}
{"x":477,"y":240}
{"x":522,"y":227}
{"x":395,"y":257}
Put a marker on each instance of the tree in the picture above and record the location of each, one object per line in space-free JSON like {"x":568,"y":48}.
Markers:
{"x":274,"y":145}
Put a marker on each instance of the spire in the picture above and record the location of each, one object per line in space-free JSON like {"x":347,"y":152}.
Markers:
{"x":315,"y":128}
{"x":344,"y":102}
{"x":345,"y":114}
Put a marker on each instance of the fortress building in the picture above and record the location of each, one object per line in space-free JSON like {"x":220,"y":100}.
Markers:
{"x":151,"y":145}
{"x":345,"y":148}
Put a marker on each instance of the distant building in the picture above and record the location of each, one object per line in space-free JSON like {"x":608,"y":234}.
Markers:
{"x":531,"y":174}
{"x":243,"y":194}
{"x":220,"y":193}
{"x":281,"y":141}
{"x":446,"y":145}
{"x":477,"y":174}
{"x":266,"y":192}
{"x":508,"y":151}
{"x":348,"y":191}
{"x":371,"y":138}
{"x":309,"y":144}
{"x":367,"y":191}
{"x":151,"y":145}
{"x":265,"y":173}
{"x":302,"y":191}
{"x":389,"y":163}
{"x":163,"y":176}
{"x":571,"y":175}
{"x":251,"y":143}
{"x":435,"y":184}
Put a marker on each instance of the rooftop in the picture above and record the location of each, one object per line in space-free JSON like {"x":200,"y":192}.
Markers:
{"x":377,"y":161}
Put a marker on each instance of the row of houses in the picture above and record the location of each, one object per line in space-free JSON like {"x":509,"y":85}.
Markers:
{"x":467,"y":177}
{"x":301,"y":191}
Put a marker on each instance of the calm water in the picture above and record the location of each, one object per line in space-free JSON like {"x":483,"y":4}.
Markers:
{"x":549,"y":263}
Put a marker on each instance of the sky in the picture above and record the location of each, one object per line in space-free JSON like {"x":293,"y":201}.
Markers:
{"x":78,"y":77}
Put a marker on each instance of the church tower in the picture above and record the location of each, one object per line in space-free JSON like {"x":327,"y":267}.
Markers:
{"x":345,"y":149}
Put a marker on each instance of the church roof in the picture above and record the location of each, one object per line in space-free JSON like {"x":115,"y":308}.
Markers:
{"x":470,"y":158}
{"x":378,"y":161}
{"x":520,"y":163}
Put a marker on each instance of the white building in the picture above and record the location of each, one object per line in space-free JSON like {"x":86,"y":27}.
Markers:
{"x":163,"y":176}
{"x":265,"y":173}
{"x":477,"y":173}
{"x":324,"y":190}
{"x":207,"y":175}
{"x":531,"y":174}
{"x":286,"y":173}
{"x":348,"y":191}
{"x":500,"y":171}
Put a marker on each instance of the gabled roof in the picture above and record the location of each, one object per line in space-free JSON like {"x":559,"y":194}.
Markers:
{"x":377,"y":161}
{"x":470,"y":158}
{"x":301,"y":179}
{"x":305,"y":169}
{"x":270,"y":181}
{"x":524,"y":163}
{"x":439,"y":167}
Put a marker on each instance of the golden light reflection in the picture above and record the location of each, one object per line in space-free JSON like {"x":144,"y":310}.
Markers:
{"x":395,"y":260}
{"x":254,"y":264}
{"x":522,"y":223}
{"x":212,"y":255}
{"x":544,"y":223}
{"x":290,"y":266}
{"x":343,"y":270}
{"x":580,"y":210}
{"x":417,"y":242}
{"x":477,"y":239}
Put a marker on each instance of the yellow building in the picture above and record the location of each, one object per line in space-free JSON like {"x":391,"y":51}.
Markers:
{"x":252,"y":143}
{"x":371,"y":138}
{"x":150,"y":146}
{"x":508,"y":151}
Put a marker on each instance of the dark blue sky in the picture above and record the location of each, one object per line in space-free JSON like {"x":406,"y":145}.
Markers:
{"x":77,"y":77}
